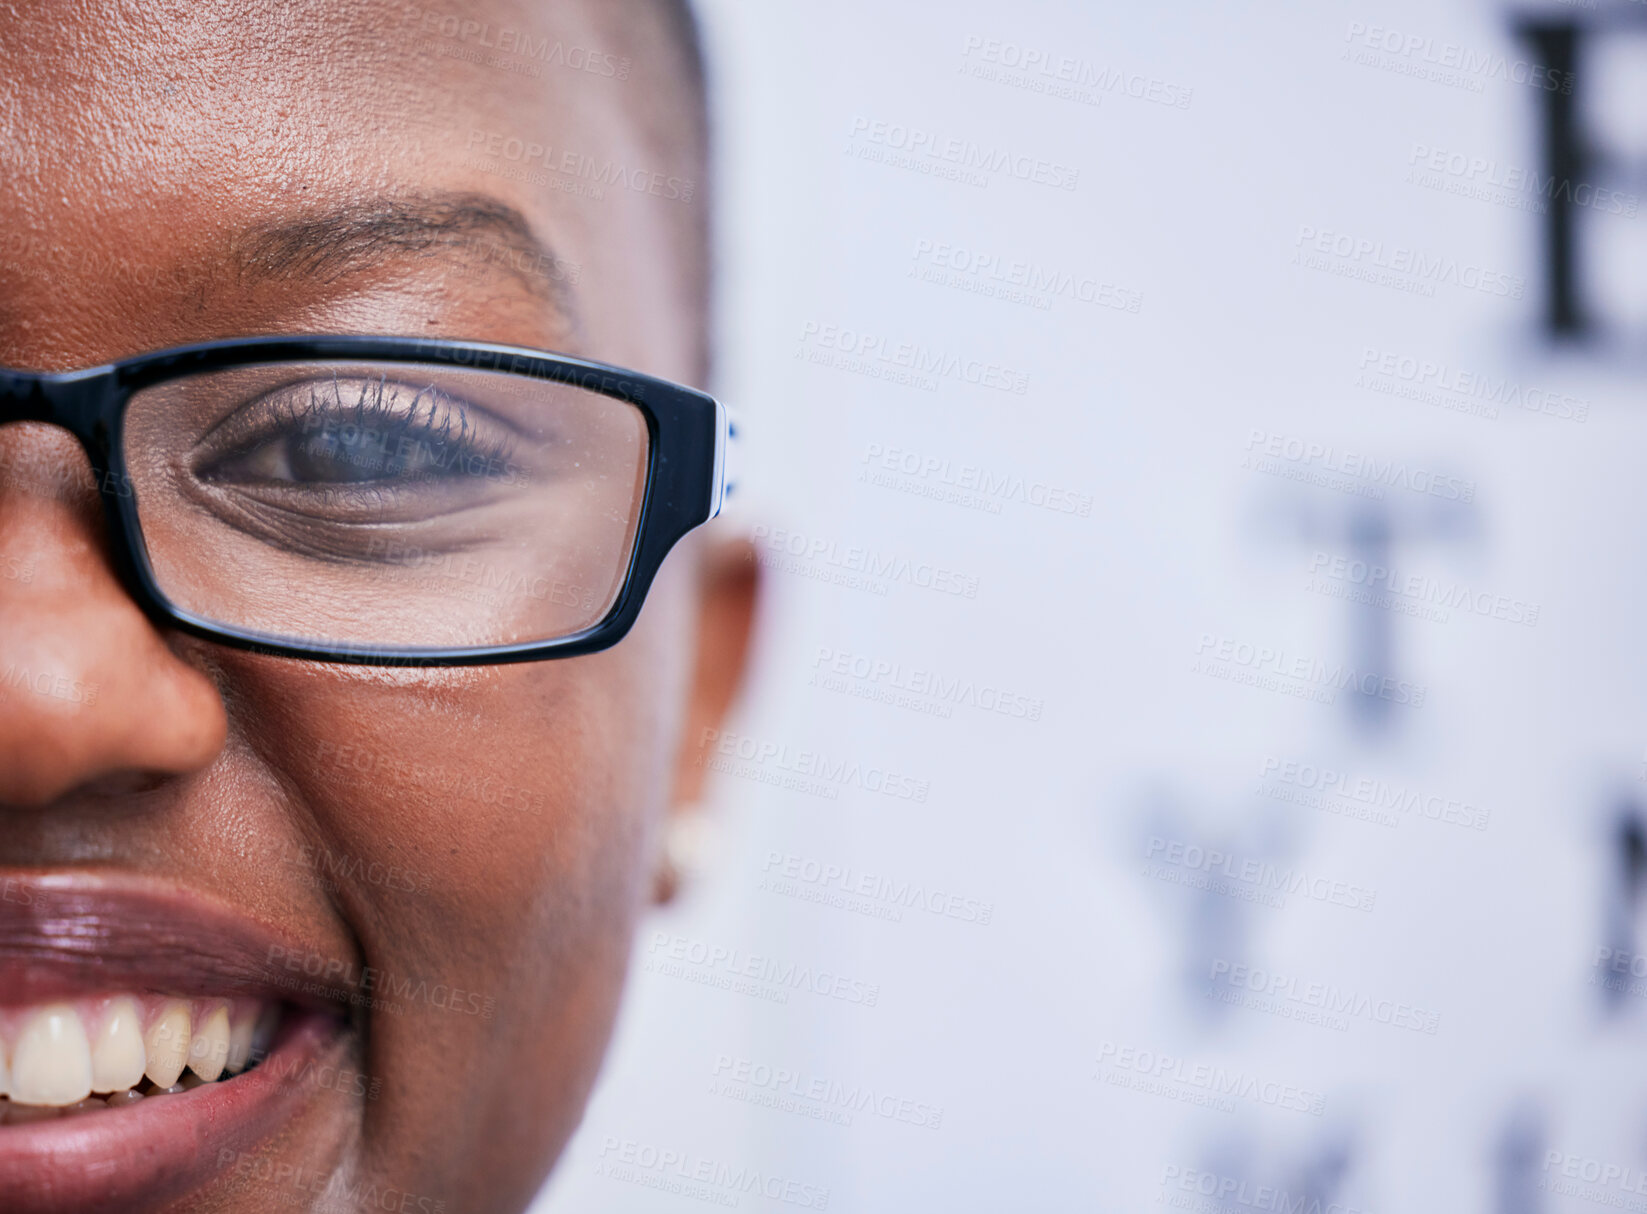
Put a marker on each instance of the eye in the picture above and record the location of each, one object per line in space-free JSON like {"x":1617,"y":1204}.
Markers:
{"x":374,"y":432}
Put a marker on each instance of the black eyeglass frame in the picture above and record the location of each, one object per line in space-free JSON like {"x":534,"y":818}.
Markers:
{"x":688,"y":432}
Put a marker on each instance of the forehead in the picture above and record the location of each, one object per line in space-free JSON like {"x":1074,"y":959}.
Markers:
{"x":286,"y":87}
{"x":143,"y":150}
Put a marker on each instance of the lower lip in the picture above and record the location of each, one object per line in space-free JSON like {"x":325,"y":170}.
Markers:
{"x":162,"y":1147}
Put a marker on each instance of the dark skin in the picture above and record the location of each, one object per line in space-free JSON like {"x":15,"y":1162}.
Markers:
{"x":148,"y":153}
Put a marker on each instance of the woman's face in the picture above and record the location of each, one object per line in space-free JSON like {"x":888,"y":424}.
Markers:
{"x":437,"y":871}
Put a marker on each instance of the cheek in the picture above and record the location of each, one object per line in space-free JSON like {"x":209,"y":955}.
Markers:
{"x":485,"y":831}
{"x":487,"y":826}
{"x":479,"y":790}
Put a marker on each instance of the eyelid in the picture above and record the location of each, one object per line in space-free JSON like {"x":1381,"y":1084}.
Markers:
{"x":279,"y":411}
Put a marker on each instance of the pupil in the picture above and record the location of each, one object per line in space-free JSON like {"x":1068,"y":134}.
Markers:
{"x":347,"y":453}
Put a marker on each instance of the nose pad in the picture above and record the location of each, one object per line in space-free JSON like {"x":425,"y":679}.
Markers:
{"x":89,"y":688}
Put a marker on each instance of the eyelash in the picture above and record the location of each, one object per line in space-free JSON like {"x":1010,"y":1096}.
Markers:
{"x":378,"y":410}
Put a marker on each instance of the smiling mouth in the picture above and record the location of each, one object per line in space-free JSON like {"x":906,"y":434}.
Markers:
{"x":149,"y":1041}
{"x":69,"y":1057}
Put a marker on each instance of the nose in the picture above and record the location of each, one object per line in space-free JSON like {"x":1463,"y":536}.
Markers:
{"x":89,"y":688}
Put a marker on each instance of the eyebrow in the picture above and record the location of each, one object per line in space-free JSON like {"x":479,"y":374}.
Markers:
{"x":477,"y":229}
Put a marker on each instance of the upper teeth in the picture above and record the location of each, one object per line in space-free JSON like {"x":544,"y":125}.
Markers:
{"x":58,"y":1054}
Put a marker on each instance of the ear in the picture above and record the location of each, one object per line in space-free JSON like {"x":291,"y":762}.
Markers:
{"x":728,"y":587}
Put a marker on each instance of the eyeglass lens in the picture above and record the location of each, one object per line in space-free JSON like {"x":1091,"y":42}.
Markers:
{"x":386,"y":504}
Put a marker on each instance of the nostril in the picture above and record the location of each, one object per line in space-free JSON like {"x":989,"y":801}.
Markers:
{"x":54,"y":779}
{"x":125,"y":784}
{"x":118,"y":792}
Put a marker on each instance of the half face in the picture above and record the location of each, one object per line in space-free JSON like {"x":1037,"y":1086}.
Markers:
{"x":277,"y":934}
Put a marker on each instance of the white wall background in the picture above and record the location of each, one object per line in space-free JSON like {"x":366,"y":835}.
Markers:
{"x":1041,"y":1034}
